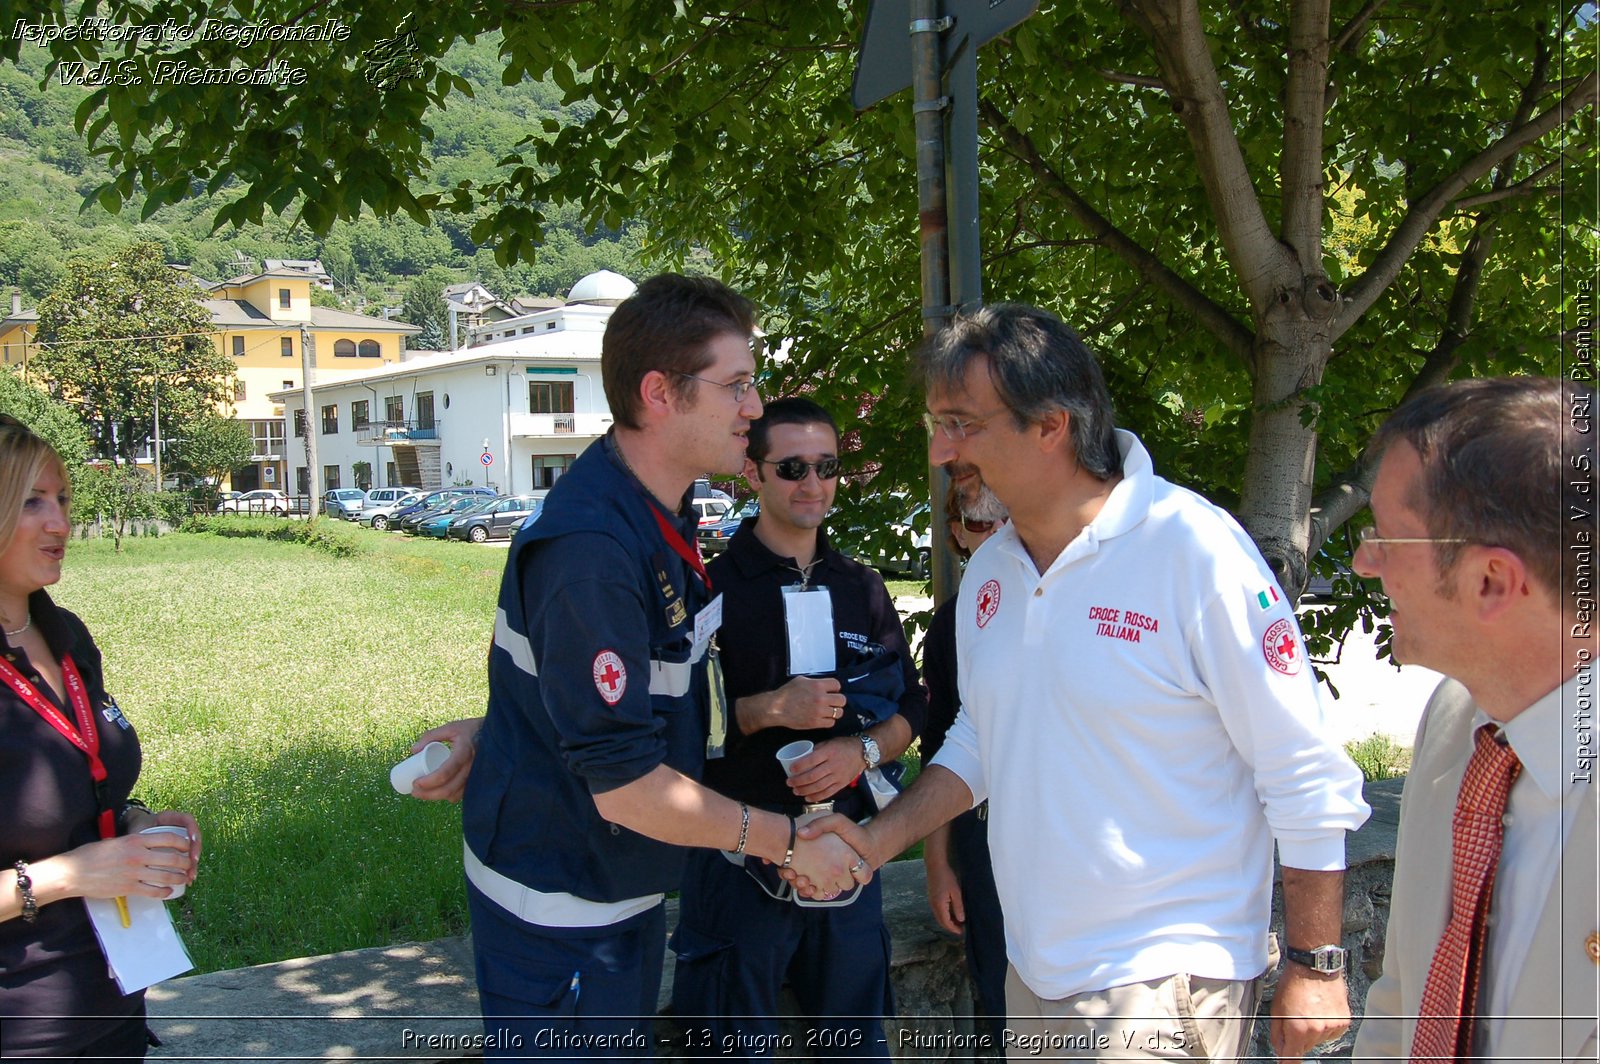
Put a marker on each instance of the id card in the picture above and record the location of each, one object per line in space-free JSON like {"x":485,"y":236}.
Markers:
{"x":808,"y":620}
{"x":706,"y":623}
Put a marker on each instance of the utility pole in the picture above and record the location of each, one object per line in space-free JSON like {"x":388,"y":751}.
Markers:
{"x":308,"y":365}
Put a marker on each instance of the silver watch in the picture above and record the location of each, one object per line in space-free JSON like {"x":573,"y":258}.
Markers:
{"x":1329,"y":960}
{"x":869,"y":750}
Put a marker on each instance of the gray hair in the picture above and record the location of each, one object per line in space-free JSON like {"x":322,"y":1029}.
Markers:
{"x":1493,"y":453}
{"x":1038,"y":364}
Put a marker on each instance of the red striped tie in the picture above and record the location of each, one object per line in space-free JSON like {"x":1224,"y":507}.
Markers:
{"x":1450,"y":996}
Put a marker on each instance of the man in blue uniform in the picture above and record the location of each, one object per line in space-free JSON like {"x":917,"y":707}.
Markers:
{"x":604,"y":698}
{"x":813,"y":650}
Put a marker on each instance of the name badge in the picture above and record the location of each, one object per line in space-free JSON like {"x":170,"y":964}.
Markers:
{"x":706,"y":623}
{"x":808,"y":619}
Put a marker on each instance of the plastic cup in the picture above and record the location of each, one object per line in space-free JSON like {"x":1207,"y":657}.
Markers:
{"x":419,"y":764}
{"x":788,"y":755}
{"x":170,"y":829}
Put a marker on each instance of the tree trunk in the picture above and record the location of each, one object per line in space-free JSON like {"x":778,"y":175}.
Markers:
{"x":1292,"y":351}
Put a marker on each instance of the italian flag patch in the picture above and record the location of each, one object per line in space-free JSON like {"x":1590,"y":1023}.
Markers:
{"x":1267,"y":597}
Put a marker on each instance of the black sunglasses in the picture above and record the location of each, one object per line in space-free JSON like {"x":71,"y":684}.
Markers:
{"x":796,"y":469}
{"x":975,"y":526}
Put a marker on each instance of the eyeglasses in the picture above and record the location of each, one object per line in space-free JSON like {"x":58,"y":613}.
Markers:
{"x":957,"y":428}
{"x":1375,"y":543}
{"x":740,"y":389}
{"x":796,"y":469}
{"x":975,"y":527}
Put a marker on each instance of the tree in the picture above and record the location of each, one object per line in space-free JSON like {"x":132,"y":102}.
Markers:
{"x":1167,"y":177}
{"x":422,"y":304}
{"x":118,"y":331}
{"x":211,"y":446}
{"x":55,"y":422}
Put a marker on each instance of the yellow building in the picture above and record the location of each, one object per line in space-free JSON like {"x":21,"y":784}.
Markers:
{"x":262,"y":320}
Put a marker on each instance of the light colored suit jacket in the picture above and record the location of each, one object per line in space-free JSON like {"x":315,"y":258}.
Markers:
{"x":1560,"y":983}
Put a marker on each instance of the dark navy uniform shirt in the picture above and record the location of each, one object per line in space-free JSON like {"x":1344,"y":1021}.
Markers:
{"x":755,"y":654}
{"x":593,"y":682}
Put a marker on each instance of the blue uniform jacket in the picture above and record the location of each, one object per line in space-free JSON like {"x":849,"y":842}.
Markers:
{"x":591,"y":686}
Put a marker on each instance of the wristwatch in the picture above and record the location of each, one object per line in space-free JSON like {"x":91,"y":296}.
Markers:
{"x":869,"y":750}
{"x":1329,"y":960}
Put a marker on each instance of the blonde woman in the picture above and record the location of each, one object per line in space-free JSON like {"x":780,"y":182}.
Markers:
{"x":68,"y":762}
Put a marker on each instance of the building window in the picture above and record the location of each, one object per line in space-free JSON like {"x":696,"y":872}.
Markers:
{"x":370,"y":349}
{"x":550,"y":397}
{"x":330,"y":419}
{"x":330,"y":476}
{"x":391,"y":475}
{"x":302,"y":481}
{"x":266,"y":437}
{"x":286,"y":346}
{"x":394,"y":409}
{"x":238,"y":390}
{"x":284,"y":302}
{"x":287,"y":385}
{"x":358,"y":415}
{"x":547,"y":468}
{"x":425,"y":410}
{"x":300,"y":424}
{"x":238,"y":347}
{"x":344,"y":349}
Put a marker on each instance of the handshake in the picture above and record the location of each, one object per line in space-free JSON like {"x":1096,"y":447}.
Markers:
{"x":832,"y":854}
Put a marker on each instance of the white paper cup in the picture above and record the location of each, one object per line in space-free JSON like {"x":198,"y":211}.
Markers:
{"x":788,"y":755}
{"x":170,"y":829}
{"x":428,"y":759}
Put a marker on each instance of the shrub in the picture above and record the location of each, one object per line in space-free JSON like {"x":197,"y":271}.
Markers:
{"x":319,"y":534}
{"x":1379,"y":757}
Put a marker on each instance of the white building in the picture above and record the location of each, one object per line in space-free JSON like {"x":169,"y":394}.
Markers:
{"x":529,"y":405}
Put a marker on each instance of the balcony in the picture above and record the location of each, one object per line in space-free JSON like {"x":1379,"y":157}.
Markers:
{"x":553,"y":425}
{"x":385,"y":433}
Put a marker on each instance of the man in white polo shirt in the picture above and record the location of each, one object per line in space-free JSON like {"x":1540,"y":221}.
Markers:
{"x":1138,"y":711}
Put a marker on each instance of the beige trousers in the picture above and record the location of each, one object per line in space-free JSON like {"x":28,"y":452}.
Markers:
{"x":1181,"y":1017}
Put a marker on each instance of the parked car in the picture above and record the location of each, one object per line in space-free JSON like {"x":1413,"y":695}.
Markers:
{"x":344,"y":502}
{"x":714,"y":537}
{"x":432,"y":501}
{"x":379,"y":515}
{"x":913,"y":550}
{"x":385,"y":496}
{"x":452,"y":506}
{"x":499,"y":520}
{"x":262,"y":501}
{"x":711,"y":510}
{"x":438,"y":525}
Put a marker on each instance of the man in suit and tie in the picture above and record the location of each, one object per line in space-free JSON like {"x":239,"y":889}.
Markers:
{"x":1484,"y":506}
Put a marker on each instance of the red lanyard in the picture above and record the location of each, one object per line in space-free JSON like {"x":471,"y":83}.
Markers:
{"x":675,"y":540}
{"x":85,"y":736}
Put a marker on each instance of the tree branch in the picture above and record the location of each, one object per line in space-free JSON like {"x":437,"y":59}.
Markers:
{"x":1262,"y":264}
{"x":1143,"y":81}
{"x":1521,"y":188}
{"x":1346,"y":37}
{"x":1222,"y":324}
{"x":1030,"y":245}
{"x":1300,"y":170}
{"x":1361,"y":295}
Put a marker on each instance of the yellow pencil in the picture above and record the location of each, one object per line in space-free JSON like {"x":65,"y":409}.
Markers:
{"x":122,"y":911}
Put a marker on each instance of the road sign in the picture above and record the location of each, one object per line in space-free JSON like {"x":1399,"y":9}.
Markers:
{"x":883,"y":64}
{"x":486,"y":458}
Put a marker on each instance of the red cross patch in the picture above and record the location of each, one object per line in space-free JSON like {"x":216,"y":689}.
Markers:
{"x":988,"y":601}
{"x":1281,"y":647}
{"x":610,"y":677}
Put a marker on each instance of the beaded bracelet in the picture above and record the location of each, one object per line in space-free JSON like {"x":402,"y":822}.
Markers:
{"x":744,"y":827}
{"x":30,"y":906}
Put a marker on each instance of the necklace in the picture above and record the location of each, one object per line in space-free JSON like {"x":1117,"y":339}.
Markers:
{"x":805,"y":572}
{"x":673,"y":508}
{"x":19,"y":631}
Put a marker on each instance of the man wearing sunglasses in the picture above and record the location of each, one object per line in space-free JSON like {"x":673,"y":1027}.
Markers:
{"x":813,"y":650}
{"x":1137,"y":709}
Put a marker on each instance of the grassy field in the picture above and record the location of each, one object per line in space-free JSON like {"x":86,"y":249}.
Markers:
{"x":272,"y":687}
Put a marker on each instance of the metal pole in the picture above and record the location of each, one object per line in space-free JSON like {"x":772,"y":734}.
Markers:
{"x":928,"y":106}
{"x":158,"y":429}
{"x":308,"y":362}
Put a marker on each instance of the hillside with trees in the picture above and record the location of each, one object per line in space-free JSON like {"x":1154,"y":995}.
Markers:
{"x":46,"y":171}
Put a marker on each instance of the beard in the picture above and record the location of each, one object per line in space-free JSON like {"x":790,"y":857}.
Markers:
{"x":984,"y":504}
